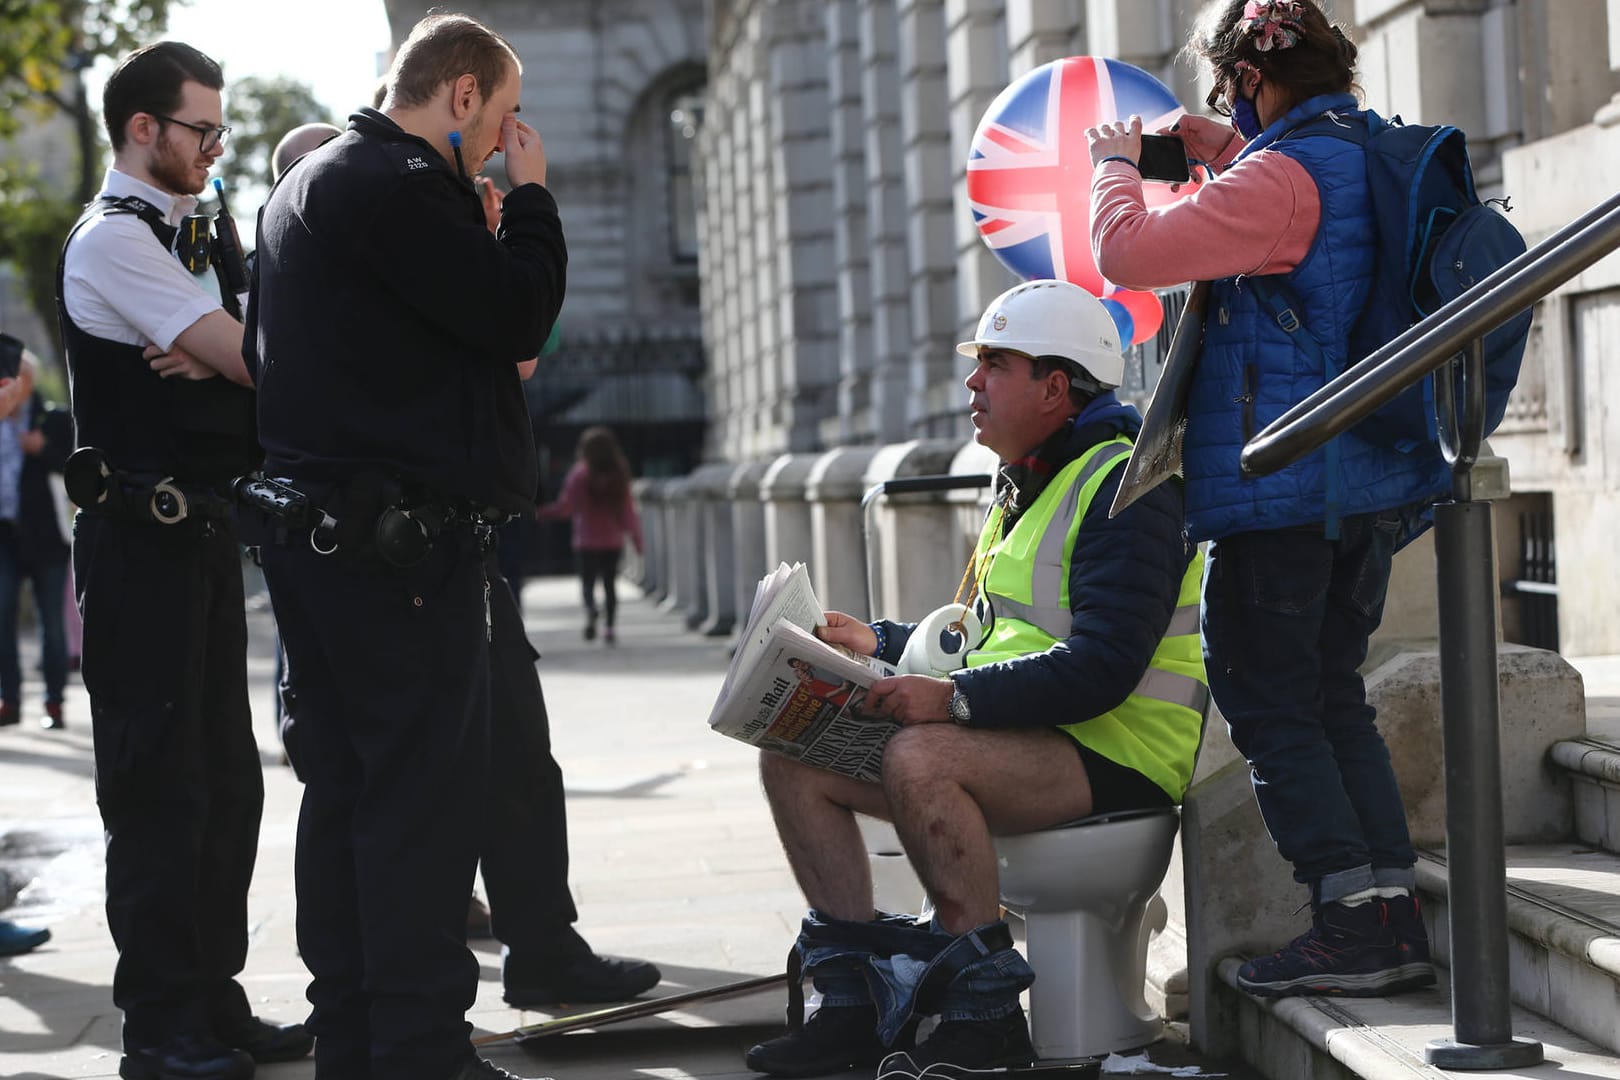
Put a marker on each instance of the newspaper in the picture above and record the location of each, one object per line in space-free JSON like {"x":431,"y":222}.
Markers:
{"x":791,"y":693}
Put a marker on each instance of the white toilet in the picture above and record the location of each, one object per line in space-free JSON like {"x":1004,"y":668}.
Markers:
{"x":1088,"y":894}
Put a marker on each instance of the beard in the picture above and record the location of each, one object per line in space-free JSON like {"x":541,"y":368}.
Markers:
{"x":174,"y":171}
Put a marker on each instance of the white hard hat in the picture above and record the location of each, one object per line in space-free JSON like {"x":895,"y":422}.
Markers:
{"x":1053,"y":318}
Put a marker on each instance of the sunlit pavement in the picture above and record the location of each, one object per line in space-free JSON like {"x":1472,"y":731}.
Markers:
{"x":673,"y":860}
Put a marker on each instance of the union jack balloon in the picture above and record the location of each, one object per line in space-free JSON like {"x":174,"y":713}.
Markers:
{"x":1029,"y":175}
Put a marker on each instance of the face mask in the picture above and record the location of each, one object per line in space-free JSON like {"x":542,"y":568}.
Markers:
{"x":1245,"y":119}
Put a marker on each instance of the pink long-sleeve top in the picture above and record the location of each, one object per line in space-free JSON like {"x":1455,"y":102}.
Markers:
{"x":1258,"y":216}
{"x":598,"y":525}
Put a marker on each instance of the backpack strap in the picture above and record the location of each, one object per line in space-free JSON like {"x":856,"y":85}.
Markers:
{"x":1281,"y":301}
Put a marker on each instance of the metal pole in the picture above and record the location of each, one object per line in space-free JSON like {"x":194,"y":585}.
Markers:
{"x":1470,"y":711}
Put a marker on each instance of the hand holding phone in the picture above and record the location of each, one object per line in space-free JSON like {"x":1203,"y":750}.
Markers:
{"x":1164,"y":158}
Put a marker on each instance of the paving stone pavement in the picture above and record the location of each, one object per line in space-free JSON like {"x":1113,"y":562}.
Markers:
{"x":674,"y":859}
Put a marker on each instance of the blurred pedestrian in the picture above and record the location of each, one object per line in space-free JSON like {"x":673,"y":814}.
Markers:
{"x":35,"y":442}
{"x":596,"y":498}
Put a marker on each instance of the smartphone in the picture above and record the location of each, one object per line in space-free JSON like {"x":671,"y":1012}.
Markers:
{"x":1164,"y":157}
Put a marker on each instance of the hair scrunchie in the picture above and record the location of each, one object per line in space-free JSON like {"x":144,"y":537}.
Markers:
{"x":1274,"y":24}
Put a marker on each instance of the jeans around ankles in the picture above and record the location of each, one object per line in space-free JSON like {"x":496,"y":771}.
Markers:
{"x":1286,"y":618}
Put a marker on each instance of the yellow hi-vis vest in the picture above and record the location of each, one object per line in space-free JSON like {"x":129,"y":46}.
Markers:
{"x":1024,"y":577}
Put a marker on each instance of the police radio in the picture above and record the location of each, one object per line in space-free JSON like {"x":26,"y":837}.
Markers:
{"x":228,"y":252}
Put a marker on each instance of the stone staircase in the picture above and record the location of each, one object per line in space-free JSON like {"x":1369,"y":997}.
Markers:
{"x":1564,"y":950}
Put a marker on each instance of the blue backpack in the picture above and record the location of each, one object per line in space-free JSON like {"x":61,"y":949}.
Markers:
{"x":1435,"y":241}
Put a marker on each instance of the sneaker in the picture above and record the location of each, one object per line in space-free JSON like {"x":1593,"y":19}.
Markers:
{"x":52,"y":720}
{"x":608,"y":637}
{"x":957,"y":1047}
{"x":1406,"y":919}
{"x":1348,"y":951}
{"x":835,"y":1038}
{"x":479,"y":1069}
{"x":583,"y":980}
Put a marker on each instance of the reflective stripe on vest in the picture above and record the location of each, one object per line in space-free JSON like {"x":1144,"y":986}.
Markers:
{"x":1156,"y":729}
{"x":1049,"y":577}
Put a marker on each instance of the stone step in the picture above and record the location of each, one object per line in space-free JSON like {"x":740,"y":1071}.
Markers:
{"x":1593,"y":767}
{"x":1563,"y":914}
{"x":1333,"y":1038}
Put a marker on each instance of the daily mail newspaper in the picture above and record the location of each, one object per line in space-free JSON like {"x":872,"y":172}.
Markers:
{"x":791,"y":693}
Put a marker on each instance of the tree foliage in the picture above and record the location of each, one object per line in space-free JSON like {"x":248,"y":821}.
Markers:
{"x":45,"y":48}
{"x":262,"y":111}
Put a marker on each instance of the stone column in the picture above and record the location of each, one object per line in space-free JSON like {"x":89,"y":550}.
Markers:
{"x":1040,"y":31}
{"x":787,"y":514}
{"x":886,"y":220}
{"x":916,"y":573}
{"x":806,"y":299}
{"x":851,"y":241}
{"x":748,"y":530}
{"x":711,"y":497}
{"x":834,"y":491}
{"x":977,"y":47}
{"x":930,"y":231}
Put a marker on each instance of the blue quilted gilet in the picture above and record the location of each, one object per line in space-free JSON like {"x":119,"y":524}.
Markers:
{"x":1251,"y":370}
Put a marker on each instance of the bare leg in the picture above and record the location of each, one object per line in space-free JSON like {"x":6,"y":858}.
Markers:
{"x":950,"y":789}
{"x":815,"y":817}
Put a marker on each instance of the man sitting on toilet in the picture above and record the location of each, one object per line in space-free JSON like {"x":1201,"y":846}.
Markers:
{"x":1084,"y":694}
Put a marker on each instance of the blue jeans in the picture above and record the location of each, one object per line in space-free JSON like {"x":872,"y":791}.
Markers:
{"x":1286,"y":618}
{"x":49,"y":577}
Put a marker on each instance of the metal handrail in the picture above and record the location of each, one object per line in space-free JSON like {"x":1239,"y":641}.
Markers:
{"x":1408,"y":359}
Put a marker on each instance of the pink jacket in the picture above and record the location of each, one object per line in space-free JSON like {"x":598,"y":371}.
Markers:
{"x":598,"y":526}
{"x":1258,"y":216}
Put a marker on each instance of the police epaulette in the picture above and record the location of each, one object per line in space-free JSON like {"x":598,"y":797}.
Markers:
{"x":412,"y":159}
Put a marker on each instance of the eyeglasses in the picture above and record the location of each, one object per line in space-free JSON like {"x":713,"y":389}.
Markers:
{"x":208,"y":137}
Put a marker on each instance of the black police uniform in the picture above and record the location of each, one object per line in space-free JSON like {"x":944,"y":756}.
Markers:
{"x":385,"y":327}
{"x":178,"y":775}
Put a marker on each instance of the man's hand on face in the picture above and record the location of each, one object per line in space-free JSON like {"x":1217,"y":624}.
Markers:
{"x":911,"y":699}
{"x":525,"y":155}
{"x":177,"y":363}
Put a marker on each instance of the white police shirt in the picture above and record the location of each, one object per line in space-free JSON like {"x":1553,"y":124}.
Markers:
{"x":120,"y":284}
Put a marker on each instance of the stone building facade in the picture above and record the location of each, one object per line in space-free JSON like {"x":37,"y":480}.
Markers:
{"x":839,"y":262}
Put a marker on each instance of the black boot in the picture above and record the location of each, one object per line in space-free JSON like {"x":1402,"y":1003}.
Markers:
{"x":836,"y":1037}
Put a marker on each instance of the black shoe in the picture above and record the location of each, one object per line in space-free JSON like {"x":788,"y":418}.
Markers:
{"x":968,"y":1045}
{"x":186,"y":1058}
{"x":590,"y":626}
{"x":265,"y":1042}
{"x":582,"y":980}
{"x":479,"y":1069}
{"x":836,"y":1037}
{"x":8,"y":714}
{"x":52,"y":720}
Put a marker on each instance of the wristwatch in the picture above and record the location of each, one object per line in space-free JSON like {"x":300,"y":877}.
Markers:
{"x":959,"y":710}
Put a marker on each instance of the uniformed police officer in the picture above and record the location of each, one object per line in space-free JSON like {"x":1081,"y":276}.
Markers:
{"x":385,"y":327}
{"x":159,"y":389}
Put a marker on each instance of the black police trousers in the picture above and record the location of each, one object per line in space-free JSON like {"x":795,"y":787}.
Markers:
{"x":525,"y":853}
{"x":178,"y":775}
{"x":390,"y":672}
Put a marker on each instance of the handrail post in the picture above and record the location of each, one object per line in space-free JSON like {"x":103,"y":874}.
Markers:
{"x":1476,"y":869}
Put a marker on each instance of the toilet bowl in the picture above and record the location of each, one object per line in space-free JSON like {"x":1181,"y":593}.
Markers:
{"x":1088,"y":894}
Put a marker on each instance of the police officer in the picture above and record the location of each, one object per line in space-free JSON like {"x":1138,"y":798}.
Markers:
{"x":385,"y":326}
{"x":160,"y":392}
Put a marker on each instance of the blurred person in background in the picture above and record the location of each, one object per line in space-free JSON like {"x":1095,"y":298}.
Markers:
{"x":596,"y":498}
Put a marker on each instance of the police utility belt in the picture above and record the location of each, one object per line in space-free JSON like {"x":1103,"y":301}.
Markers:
{"x":377,"y":518}
{"x":98,"y":487}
